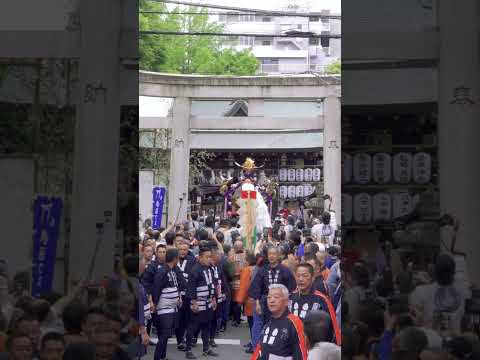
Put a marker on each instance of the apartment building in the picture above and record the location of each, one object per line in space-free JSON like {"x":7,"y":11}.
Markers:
{"x":285,"y":55}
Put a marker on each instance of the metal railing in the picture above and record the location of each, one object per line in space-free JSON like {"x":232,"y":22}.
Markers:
{"x":290,"y":68}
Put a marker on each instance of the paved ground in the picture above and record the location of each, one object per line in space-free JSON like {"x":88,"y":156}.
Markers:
{"x":229,"y":346}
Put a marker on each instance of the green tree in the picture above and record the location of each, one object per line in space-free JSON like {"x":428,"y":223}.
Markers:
{"x":334,"y":68}
{"x":155,"y":151}
{"x":151,"y":47}
{"x":188,"y":54}
{"x":231,"y":62}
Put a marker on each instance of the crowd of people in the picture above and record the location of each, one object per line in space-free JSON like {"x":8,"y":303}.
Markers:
{"x":197,"y":279}
{"x":301,"y":296}
{"x":419,"y":310}
{"x":94,"y":321}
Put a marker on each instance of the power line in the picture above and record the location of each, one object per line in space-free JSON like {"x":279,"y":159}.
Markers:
{"x":293,"y":35}
{"x":320,"y":16}
{"x":233,"y":8}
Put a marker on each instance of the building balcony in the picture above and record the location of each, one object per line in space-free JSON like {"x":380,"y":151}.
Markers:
{"x":290,"y":68}
{"x":314,"y":50}
{"x":276,"y":52}
{"x":319,"y":27}
{"x":251,"y":28}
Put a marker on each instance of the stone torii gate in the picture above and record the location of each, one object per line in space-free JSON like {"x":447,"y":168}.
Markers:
{"x":103,"y":36}
{"x":439,"y":63}
{"x":220,"y":132}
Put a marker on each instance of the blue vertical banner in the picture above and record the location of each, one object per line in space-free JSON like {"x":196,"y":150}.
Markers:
{"x":157,"y":208}
{"x":46,"y":229}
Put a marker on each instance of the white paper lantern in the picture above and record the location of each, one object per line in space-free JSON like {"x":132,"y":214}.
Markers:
{"x":415,"y":200}
{"x":299,"y":193}
{"x":402,"y":204}
{"x":283,"y":192}
{"x":362,"y":168}
{"x":316,"y":174}
{"x":347,"y":208}
{"x":347,"y":168}
{"x":291,"y":174}
{"x":308,"y":174}
{"x":382,"y":168}
{"x":402,"y":168}
{"x":308,"y":190}
{"x":299,"y":174}
{"x":333,"y":219}
{"x":282,"y":174}
{"x":422,"y":168}
{"x":382,"y":207}
{"x":292,"y":192}
{"x":305,"y":190}
{"x":362,"y":208}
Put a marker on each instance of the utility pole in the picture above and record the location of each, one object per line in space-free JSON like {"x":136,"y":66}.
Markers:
{"x":308,"y":47}
{"x":36,"y":119}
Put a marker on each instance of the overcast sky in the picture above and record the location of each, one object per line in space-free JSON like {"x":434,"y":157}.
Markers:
{"x":315,"y":5}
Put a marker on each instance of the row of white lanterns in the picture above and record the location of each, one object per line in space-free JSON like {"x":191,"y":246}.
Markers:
{"x":364,"y":208}
{"x":299,"y":175}
{"x":363,"y":168}
{"x":295,"y":192}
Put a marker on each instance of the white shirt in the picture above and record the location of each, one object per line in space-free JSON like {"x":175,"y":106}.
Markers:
{"x":195,"y":224}
{"x":227,"y":236}
{"x":288,"y":230}
{"x":435,"y":300}
{"x":325,"y":351}
{"x":321,"y":247}
{"x":353,"y":297}
{"x":434,"y":339}
{"x":327,"y":231}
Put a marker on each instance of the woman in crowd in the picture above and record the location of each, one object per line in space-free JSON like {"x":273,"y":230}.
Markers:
{"x":246,"y":277}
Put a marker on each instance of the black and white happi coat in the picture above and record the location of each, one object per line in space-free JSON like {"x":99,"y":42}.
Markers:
{"x":301,"y":304}
{"x":267,"y":276}
{"x":282,"y":339}
{"x":183,"y":269}
{"x":217,"y":272}
{"x":166,"y":297}
{"x":201,"y":287}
